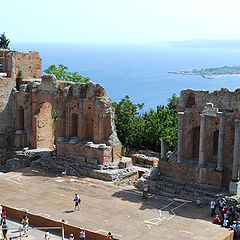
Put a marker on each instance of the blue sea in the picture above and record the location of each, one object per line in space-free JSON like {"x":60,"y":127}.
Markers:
{"x":141,"y":70}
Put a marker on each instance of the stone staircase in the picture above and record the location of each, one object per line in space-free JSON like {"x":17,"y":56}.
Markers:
{"x":177,"y":188}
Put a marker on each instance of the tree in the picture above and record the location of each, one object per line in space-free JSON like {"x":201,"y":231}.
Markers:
{"x":145,"y":131}
{"x":173,"y":102}
{"x":4,"y":42}
{"x":126,"y":117}
{"x":61,"y":73}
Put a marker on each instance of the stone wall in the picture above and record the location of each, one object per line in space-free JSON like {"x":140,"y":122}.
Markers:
{"x":213,"y":106}
{"x":191,"y":173}
{"x":85,"y":119}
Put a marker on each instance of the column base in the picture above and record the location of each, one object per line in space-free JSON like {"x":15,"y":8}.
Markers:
{"x":234,"y":188}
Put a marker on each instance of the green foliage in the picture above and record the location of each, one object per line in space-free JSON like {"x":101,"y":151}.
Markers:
{"x":4,"y":42}
{"x":20,"y":74}
{"x":145,"y":131}
{"x":173,"y":101}
{"x":61,"y":73}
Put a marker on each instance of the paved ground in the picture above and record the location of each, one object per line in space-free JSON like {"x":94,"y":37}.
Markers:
{"x":107,"y":207}
{"x":33,"y":233}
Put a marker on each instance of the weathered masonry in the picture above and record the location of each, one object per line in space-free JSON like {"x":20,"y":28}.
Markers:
{"x":209,"y":138}
{"x":84,"y":119}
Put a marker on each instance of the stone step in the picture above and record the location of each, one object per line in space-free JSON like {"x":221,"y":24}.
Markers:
{"x":180,"y":189}
{"x":188,"y":184}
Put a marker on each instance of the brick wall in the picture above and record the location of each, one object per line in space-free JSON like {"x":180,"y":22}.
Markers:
{"x":191,"y":173}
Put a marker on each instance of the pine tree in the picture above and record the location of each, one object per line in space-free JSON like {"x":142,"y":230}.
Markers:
{"x":4,"y":42}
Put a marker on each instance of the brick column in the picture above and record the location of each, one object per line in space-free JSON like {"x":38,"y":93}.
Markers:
{"x":220,"y":145}
{"x":201,"y":144}
{"x":180,"y":136}
{"x":236,"y":155}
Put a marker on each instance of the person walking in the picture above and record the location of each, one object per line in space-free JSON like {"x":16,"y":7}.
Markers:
{"x":109,"y":236}
{"x":47,"y":235}
{"x":4,"y":215}
{"x":77,"y":201}
{"x":71,"y":237}
{"x":4,"y":230}
{"x":25,"y":223}
{"x":82,"y":235}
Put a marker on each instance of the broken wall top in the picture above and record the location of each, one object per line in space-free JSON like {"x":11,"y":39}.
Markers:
{"x":222,"y":99}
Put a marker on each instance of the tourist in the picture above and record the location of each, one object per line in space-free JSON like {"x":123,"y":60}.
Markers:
{"x":217,"y":220}
{"x":25,"y":214}
{"x":1,"y":214}
{"x":109,"y":236}
{"x":213,"y":205}
{"x":221,"y":204}
{"x":25,"y":223}
{"x":47,"y":235}
{"x":145,"y":189}
{"x":82,"y":235}
{"x":4,"y":214}
{"x":71,"y":237}
{"x":198,"y":202}
{"x":4,"y":230}
{"x":77,"y":201}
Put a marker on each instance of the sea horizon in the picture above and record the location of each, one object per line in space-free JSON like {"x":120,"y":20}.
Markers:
{"x":141,"y":70}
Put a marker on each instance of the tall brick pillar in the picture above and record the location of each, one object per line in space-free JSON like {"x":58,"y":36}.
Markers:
{"x":180,"y":136}
{"x":220,"y":145}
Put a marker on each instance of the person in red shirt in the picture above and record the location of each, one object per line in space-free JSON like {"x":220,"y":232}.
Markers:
{"x":217,"y":220}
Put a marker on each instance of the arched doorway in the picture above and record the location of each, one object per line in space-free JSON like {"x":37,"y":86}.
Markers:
{"x":195,"y":142}
{"x":74,"y":124}
{"x":21,"y":118}
{"x":45,"y":126}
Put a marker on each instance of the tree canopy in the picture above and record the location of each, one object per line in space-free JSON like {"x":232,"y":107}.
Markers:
{"x":4,"y":42}
{"x":144,"y":131}
{"x":61,"y":73}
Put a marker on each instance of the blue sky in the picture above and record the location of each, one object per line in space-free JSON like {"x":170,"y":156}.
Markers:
{"x":119,"y":21}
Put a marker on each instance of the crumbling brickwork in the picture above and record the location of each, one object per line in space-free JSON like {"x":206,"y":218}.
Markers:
{"x":207,"y":129}
{"x":84,"y":120}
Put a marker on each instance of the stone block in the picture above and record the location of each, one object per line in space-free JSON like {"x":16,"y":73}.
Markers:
{"x":73,"y":140}
{"x":92,"y":160}
{"x":81,"y":158}
{"x":125,"y":162}
{"x":234,"y":188}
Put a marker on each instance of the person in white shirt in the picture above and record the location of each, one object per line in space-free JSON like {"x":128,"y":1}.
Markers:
{"x":213,"y":205}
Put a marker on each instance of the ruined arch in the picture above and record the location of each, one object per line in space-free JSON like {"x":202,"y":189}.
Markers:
{"x":44,"y":126}
{"x":195,"y":142}
{"x":20,"y":118}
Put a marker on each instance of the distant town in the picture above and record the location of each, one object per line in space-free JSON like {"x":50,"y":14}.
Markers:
{"x":212,"y":72}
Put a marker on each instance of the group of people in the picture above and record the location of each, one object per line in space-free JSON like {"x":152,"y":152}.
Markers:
{"x":226,"y":216}
{"x":3,"y":221}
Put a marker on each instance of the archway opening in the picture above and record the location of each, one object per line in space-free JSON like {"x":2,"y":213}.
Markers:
{"x":89,"y":129}
{"x":74,"y":128}
{"x":46,"y":126}
{"x":195,"y":142}
{"x":21,"y":118}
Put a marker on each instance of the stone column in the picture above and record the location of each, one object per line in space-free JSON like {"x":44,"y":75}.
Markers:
{"x":220,"y":145}
{"x":163,"y":147}
{"x":201,"y":143}
{"x":180,"y":136}
{"x":235,"y":169}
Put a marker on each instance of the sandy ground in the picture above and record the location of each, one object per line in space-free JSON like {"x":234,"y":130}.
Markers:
{"x":107,"y":207}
